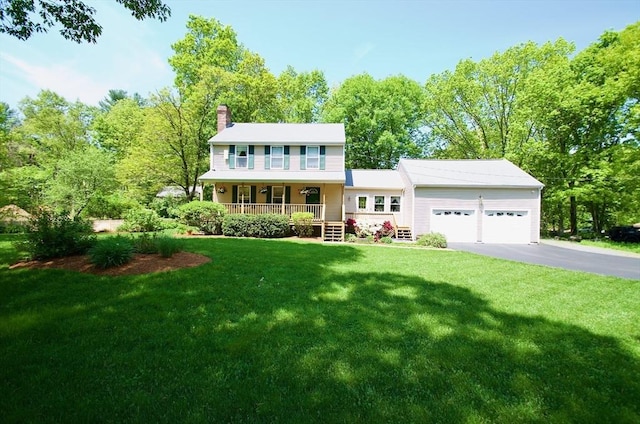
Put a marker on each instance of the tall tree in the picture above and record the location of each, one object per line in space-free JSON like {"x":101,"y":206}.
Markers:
{"x":477,"y":110}
{"x":23,"y":18}
{"x":382,"y":119}
{"x":301,"y":95}
{"x":119,"y":127}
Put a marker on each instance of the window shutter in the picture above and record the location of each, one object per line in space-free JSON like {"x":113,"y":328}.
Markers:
{"x":232,"y":157}
{"x":253,"y":194}
{"x":286,"y":157}
{"x":267,"y":157}
{"x":287,"y":194}
{"x":322,"y":156}
{"x":251,"y":154}
{"x":303,"y":157}
{"x":234,"y":193}
{"x":268,"y":194}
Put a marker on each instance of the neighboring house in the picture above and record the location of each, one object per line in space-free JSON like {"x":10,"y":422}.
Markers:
{"x":176,"y":191}
{"x":287,"y":168}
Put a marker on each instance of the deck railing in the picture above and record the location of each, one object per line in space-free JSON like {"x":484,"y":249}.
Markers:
{"x":286,"y":209}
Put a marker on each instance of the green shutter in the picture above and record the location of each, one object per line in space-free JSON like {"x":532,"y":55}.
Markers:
{"x":251,"y":152}
{"x":232,"y":157}
{"x":287,"y":194}
{"x":303,"y":157}
{"x":268,"y":194}
{"x":267,"y":157}
{"x":322,"y":156}
{"x":253,"y":194}
{"x":286,"y":157}
{"x":234,"y":193}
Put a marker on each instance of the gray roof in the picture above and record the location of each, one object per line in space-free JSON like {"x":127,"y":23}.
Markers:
{"x":373,"y":179}
{"x":249,"y":176}
{"x":467,"y":173}
{"x":281,"y":133}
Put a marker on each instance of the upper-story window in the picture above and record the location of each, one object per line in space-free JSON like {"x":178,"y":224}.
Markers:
{"x":242,"y":154}
{"x":277,"y":157}
{"x":313,"y":157}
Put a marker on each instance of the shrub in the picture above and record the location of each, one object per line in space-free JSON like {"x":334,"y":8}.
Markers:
{"x":303,"y":223}
{"x":386,"y":230}
{"x":167,"y":207}
{"x":206,"y":216}
{"x":112,"y":251}
{"x":265,"y":226}
{"x":350,"y":226}
{"x":167,"y":246}
{"x":145,"y":243}
{"x":141,"y":220}
{"x":386,"y":240}
{"x":113,"y":206}
{"x":432,"y":240}
{"x":350,"y":238}
{"x":55,"y":235}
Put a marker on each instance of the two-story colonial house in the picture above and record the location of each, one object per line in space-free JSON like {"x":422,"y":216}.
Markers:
{"x":287,"y":168}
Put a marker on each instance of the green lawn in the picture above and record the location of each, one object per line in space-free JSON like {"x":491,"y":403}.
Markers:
{"x":608,"y":244}
{"x":279,"y":331}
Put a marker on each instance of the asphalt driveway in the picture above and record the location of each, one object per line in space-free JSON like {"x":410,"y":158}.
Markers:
{"x":561,"y":255}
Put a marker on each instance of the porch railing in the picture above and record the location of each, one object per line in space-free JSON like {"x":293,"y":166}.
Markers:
{"x":286,"y":209}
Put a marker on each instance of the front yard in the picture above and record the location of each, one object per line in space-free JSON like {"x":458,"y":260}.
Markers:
{"x":285,"y":331}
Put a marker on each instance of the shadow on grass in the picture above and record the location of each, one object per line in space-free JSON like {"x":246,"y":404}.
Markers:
{"x":253,"y":338}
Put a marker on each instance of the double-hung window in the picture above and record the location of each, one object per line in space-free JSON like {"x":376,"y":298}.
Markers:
{"x":313,"y":157}
{"x":395,"y":203}
{"x":277,"y":157}
{"x":362,"y":203}
{"x":378,"y":203}
{"x":242,"y":153}
{"x":244,"y":194}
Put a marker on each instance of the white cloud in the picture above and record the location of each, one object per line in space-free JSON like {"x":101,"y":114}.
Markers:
{"x":62,"y":78}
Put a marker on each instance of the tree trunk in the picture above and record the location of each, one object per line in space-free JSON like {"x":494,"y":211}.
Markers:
{"x":573,"y":215}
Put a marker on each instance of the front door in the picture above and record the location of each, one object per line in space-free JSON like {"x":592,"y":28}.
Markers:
{"x":313,"y":196}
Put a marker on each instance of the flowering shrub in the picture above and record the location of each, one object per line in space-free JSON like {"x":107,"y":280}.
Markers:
{"x":386,"y":230}
{"x":350,"y":226}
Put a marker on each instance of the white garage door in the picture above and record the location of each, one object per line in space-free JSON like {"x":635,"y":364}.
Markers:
{"x":455,"y":224}
{"x":506,"y":226}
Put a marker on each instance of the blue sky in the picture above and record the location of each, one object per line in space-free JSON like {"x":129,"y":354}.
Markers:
{"x":416,"y":38}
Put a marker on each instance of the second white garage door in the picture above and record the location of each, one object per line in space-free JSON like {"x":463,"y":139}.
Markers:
{"x":458,"y":225}
{"x":506,"y":226}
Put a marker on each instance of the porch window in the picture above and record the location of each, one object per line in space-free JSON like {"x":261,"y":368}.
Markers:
{"x":277,"y":157}
{"x":313,"y":157}
{"x":242,"y":154}
{"x":276,"y":194}
{"x":362,"y":203}
{"x":395,"y":203}
{"x":378,"y":203}
{"x":244,"y":194}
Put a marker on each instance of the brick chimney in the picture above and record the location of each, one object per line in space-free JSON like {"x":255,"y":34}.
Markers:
{"x":224,"y":117}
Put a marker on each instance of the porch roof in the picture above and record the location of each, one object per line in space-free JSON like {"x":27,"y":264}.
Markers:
{"x":383,"y":179}
{"x":248,"y":176}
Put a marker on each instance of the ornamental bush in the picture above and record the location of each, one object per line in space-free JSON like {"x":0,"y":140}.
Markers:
{"x":207,"y":216}
{"x":303,"y":223}
{"x":55,"y":235}
{"x":141,"y":220}
{"x":263,"y":226}
{"x":432,"y":240}
{"x":111,"y":252}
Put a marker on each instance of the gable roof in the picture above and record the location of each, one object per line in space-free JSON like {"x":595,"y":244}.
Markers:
{"x":466,"y":173}
{"x":373,"y":179}
{"x":296,"y":134}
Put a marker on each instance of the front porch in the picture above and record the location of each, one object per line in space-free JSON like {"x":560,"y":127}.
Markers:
{"x":288,"y":209}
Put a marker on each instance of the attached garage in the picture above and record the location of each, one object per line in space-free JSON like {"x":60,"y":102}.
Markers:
{"x":486,"y":201}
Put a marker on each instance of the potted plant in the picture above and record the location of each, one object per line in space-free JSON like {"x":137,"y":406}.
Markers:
{"x":222,"y":189}
{"x":263,"y":190}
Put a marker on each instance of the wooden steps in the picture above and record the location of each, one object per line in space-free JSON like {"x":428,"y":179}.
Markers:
{"x":334,"y":231}
{"x":404,"y":233}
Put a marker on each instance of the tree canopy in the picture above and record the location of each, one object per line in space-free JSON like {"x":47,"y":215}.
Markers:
{"x":23,"y":18}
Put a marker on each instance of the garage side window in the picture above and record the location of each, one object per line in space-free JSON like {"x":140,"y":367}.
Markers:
{"x":378,"y":203}
{"x":395,"y":203}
